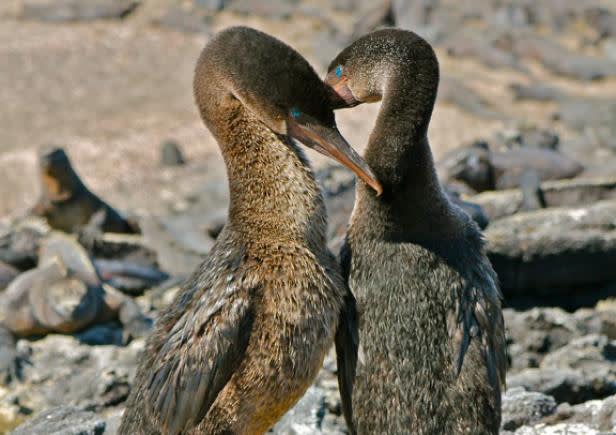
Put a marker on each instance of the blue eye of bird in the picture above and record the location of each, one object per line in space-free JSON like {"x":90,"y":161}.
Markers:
{"x":339,"y":71}
{"x":295,"y":112}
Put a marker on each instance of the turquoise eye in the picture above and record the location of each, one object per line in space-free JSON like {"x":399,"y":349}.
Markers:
{"x":339,"y":71}
{"x":295,"y":112}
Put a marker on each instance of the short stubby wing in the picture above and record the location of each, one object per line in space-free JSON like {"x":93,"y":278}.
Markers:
{"x":201,"y":352}
{"x":347,"y":344}
{"x":478,"y":316}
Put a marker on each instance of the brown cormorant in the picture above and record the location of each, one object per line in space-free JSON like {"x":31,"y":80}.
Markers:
{"x":248,"y":332}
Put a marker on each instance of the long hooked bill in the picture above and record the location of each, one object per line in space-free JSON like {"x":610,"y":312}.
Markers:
{"x":328,"y":141}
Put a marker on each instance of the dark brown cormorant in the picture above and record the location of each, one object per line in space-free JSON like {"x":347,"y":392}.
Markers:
{"x":432,"y":341}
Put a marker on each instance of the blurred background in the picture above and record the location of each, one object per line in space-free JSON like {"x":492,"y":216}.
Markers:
{"x":523,"y":132}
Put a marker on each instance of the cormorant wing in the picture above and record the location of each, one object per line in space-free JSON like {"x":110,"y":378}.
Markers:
{"x":199,"y":355}
{"x":347,"y":343}
{"x":479,"y":317}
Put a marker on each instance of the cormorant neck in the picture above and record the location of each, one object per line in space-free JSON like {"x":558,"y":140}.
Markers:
{"x":273,"y":194}
{"x":399,"y":154}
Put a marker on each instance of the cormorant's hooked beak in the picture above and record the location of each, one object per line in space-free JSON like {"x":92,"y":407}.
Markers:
{"x":340,"y":95}
{"x":328,"y":141}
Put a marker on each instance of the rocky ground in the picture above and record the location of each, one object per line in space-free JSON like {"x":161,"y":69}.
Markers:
{"x":524,"y":133}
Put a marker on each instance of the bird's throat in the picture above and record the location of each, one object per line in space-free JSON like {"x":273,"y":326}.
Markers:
{"x":272,"y":188}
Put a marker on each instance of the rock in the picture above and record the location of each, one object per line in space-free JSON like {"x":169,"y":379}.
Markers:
{"x":535,"y":333}
{"x":520,"y":407}
{"x":537,"y":92}
{"x":484,"y":169}
{"x":186,"y":20}
{"x":65,"y":294}
{"x":15,"y":308}
{"x":593,"y":355}
{"x":594,"y":117}
{"x":11,"y":360}
{"x":338,"y":186}
{"x":378,"y":15}
{"x":455,"y":92}
{"x":100,"y":335}
{"x":561,"y":16}
{"x":548,"y":164}
{"x":598,"y":414}
{"x":334,"y":180}
{"x":536,"y":138}
{"x":76,"y":10}
{"x":413,"y":14}
{"x":273,"y":9}
{"x":532,"y":195}
{"x":113,"y":421}
{"x":459,"y":189}
{"x":558,"y":429}
{"x":582,"y":113}
{"x":9,"y":417}
{"x":604,"y":319}
{"x":319,"y":411}
{"x":170,"y":154}
{"x":19,"y":245}
{"x":65,"y":248}
{"x":118,"y":246}
{"x":417,"y":16}
{"x":344,"y":5}
{"x":469,"y":43}
{"x":554,"y":250}
{"x":124,"y":262}
{"x":305,"y":416}
{"x":602,"y":20}
{"x":181,"y":241}
{"x":609,"y":49}
{"x":161,"y":296}
{"x":565,"y":385}
{"x":512,"y":15}
{"x":526,"y":137}
{"x":211,"y":5}
{"x":129,"y":277}
{"x":470,"y":165}
{"x":579,"y":370}
{"x":596,"y":322}
{"x":18,"y":175}
{"x":67,"y":204}
{"x":558,"y":193}
{"x":559,"y":60}
{"x":63,"y":420}
{"x":134,"y":322}
{"x":7,"y":274}
{"x":63,"y":371}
